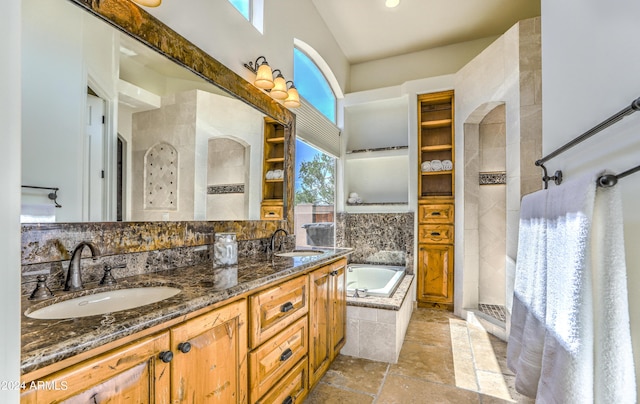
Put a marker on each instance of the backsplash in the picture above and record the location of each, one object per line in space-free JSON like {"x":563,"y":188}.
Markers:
{"x":377,"y":238}
{"x":143,"y":246}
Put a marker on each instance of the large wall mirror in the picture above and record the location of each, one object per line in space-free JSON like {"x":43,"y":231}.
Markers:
{"x":182,"y":135}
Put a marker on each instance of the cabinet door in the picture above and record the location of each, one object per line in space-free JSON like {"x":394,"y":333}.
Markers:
{"x":131,"y":374}
{"x":339,"y":303}
{"x":435,"y":273}
{"x":209,"y":364}
{"x":320,"y":309}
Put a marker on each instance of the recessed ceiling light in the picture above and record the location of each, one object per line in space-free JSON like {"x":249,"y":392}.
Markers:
{"x":391,"y":3}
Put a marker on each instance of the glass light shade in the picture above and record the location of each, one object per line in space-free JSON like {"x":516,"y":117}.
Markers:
{"x":148,"y":3}
{"x":391,"y":3}
{"x":279,"y":90}
{"x":293,"y":98}
{"x":264,"y":77}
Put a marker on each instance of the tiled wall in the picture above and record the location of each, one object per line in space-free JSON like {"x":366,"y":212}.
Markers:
{"x":377,"y":238}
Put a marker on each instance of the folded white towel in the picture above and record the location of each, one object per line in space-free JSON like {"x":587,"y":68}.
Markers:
{"x":425,"y":166}
{"x":352,"y":200}
{"x":278,"y":174}
{"x":358,"y":200}
{"x":270,"y":174}
{"x":447,"y":165}
{"x":353,"y":195}
{"x":436,"y":165}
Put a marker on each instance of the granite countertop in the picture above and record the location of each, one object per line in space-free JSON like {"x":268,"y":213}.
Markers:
{"x":45,"y":342}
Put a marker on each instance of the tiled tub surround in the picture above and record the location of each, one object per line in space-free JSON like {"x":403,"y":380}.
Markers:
{"x":377,"y":238}
{"x":49,"y":341}
{"x":376,"y":326}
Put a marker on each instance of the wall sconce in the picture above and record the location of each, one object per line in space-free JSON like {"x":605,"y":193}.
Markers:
{"x":293,"y":98}
{"x":148,"y":3}
{"x":277,"y":87}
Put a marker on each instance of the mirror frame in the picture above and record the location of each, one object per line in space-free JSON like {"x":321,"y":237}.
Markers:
{"x":137,"y":23}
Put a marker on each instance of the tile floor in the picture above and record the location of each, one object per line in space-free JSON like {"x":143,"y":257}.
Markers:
{"x":443,"y":360}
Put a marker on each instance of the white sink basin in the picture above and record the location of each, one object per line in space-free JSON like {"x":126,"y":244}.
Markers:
{"x":300,"y":253}
{"x":104,"y":302}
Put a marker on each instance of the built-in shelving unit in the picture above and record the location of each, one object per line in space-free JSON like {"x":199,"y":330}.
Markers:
{"x":273,"y":192}
{"x":436,"y":200}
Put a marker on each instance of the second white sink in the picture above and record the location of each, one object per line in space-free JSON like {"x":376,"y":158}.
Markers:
{"x":104,"y":302}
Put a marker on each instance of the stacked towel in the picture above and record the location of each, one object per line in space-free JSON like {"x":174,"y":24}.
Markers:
{"x":354,"y":198}
{"x":275,"y":174}
{"x":570,"y":339}
{"x":436,"y":165}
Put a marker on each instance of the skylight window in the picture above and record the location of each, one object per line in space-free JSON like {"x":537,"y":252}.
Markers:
{"x":244,"y":6}
{"x":252,"y":10}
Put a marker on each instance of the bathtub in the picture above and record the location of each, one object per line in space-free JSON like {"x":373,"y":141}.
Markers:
{"x":378,"y":280}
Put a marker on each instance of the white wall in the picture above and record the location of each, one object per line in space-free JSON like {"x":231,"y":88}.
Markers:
{"x":590,"y":70}
{"x":413,"y":66}
{"x":219,"y":29}
{"x":10,"y":106}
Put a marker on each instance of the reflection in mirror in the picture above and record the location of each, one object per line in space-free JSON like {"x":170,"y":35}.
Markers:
{"x":171,"y":146}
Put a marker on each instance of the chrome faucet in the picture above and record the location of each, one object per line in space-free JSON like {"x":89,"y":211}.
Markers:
{"x":74,"y":280}
{"x":272,"y":244}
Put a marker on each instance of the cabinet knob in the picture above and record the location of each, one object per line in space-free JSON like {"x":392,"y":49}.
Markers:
{"x":288,"y":306}
{"x":288,"y":400}
{"x":435,"y":214}
{"x":288,"y":353}
{"x":166,"y":356}
{"x":435,"y":233}
{"x":184,"y":347}
{"x":334,"y":273}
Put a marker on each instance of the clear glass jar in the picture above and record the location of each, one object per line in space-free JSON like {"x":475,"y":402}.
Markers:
{"x":225,"y":249}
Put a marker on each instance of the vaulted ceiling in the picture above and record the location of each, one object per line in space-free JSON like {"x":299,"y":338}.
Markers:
{"x":367,"y":30}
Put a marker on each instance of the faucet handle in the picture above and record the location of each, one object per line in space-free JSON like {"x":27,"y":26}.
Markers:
{"x":41,"y":291}
{"x":107,"y":278}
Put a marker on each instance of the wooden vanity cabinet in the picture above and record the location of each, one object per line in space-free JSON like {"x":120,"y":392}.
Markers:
{"x":131,"y":374}
{"x":209,"y":363}
{"x":206,"y":364}
{"x":327,"y":317}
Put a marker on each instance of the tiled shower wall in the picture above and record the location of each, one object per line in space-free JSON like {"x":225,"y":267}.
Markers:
{"x":377,"y":238}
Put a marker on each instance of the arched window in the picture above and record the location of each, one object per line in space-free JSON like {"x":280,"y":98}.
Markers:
{"x":313,"y":85}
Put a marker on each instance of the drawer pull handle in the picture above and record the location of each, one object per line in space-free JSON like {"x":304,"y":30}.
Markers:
{"x":288,"y":400}
{"x":184,"y":347}
{"x":288,"y":306}
{"x":166,"y":356}
{"x":288,"y":353}
{"x":435,"y":233}
{"x":435,"y":214}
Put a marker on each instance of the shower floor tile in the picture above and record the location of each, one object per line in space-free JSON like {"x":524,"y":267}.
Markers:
{"x":494,"y":311}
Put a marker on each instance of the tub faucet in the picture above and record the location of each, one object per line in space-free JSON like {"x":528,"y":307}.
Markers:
{"x":272,"y":243}
{"x":74,"y":280}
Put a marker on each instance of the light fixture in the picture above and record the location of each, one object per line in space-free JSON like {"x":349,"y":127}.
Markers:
{"x":277,"y":88}
{"x":391,"y":3}
{"x":148,"y":3}
{"x":293,"y":98}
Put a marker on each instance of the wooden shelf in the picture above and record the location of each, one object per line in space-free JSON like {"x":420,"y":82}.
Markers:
{"x":275,"y":180}
{"x":448,"y":172}
{"x":275,"y":140}
{"x":440,"y":123}
{"x":275,"y":160}
{"x":440,"y":147}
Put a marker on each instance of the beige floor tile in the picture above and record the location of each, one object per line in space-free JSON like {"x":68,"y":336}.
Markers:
{"x":432,"y":363}
{"x":428,"y":333}
{"x":493,"y":384}
{"x":465,"y":371}
{"x":323,"y":393}
{"x":432,"y":315}
{"x":357,"y":374}
{"x":404,"y":390}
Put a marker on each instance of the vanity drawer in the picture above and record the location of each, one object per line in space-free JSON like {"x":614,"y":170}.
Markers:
{"x":273,"y":309}
{"x":435,"y":233}
{"x":274,"y":358}
{"x":271,"y":212}
{"x":440,"y":213}
{"x":293,"y":387}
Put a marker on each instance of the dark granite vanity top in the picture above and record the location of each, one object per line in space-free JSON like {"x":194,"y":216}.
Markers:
{"x":48,"y":341}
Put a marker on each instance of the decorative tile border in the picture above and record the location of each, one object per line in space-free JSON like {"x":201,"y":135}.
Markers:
{"x":493,"y":178}
{"x":225,"y":189}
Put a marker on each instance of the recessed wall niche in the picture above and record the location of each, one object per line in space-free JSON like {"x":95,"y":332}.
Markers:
{"x":161,"y":177}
